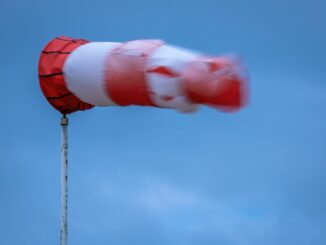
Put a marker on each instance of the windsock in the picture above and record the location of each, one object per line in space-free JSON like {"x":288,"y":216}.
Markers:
{"x":76,"y":74}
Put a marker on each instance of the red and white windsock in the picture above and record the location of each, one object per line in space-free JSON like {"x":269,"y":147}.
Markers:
{"x":76,"y":74}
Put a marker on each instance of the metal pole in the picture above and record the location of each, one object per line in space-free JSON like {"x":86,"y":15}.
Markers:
{"x":64,"y":180}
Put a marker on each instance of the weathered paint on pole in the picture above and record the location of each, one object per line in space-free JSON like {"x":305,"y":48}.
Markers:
{"x":64,"y":180}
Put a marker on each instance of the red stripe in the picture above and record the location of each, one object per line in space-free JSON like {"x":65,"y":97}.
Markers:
{"x":125,"y":74}
{"x":227,"y":93}
{"x":163,"y":70}
{"x":51,"y":76}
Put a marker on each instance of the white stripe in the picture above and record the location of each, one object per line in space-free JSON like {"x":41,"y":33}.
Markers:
{"x":162,"y":86}
{"x":176,"y":58}
{"x":84,"y":72}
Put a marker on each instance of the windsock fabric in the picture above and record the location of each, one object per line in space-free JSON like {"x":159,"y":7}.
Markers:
{"x":76,"y":74}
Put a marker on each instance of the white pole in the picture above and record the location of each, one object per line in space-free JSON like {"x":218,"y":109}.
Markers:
{"x":64,"y":180}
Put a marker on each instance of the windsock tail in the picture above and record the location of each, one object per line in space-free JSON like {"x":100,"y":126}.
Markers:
{"x":218,"y":83}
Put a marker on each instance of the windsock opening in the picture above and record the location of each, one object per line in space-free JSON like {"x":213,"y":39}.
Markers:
{"x":51,"y":76}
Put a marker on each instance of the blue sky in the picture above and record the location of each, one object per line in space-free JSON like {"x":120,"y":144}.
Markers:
{"x":151,"y":176}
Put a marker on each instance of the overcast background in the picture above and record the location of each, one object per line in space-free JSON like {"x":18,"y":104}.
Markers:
{"x":156,"y":177}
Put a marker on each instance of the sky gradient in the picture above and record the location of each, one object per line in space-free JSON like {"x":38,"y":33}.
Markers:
{"x":153,"y":176}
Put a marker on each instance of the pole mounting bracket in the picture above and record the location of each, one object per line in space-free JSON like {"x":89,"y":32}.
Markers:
{"x":64,"y":120}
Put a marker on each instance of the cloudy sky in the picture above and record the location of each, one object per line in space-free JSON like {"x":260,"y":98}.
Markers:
{"x":151,"y":176}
